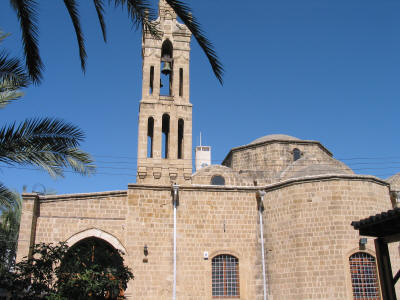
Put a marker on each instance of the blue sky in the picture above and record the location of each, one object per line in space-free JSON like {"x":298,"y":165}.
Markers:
{"x":316,"y":69}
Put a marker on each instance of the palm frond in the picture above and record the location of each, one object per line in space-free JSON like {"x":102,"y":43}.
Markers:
{"x":72,"y":8}
{"x":3,"y":35}
{"x":141,"y":13}
{"x":99,"y":5}
{"x":48,"y":143}
{"x":7,"y":197}
{"x":27,"y":15}
{"x":12,"y":71}
{"x":8,"y":96}
{"x":184,"y":13}
{"x":12,"y":78}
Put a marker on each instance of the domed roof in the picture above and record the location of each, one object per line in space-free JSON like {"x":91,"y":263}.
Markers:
{"x":394,"y":182}
{"x":272,"y":137}
{"x":309,"y":165}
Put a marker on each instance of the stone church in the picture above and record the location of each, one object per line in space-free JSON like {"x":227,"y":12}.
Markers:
{"x":272,"y":222}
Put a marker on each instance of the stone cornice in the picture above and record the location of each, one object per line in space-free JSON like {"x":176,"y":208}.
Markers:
{"x":208,"y":188}
{"x":269,"y":187}
{"x":82,"y":195}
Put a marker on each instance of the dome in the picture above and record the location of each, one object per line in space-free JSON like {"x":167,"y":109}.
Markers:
{"x":272,"y":137}
{"x":312,"y":166}
{"x":394,"y":182}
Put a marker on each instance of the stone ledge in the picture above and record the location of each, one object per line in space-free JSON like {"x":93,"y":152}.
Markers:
{"x":270,"y":187}
{"x":78,"y":196}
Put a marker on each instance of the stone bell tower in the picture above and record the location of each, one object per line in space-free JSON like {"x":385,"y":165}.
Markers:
{"x":165,"y":116}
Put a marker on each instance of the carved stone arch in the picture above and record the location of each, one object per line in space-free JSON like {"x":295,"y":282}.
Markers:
{"x":227,"y":252}
{"x":97,"y":233}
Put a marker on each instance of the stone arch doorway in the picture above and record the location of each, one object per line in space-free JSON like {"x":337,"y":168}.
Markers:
{"x":98,"y":234}
{"x":97,"y":259}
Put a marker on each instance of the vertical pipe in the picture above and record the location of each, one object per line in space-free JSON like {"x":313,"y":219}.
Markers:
{"x":261,"y":195}
{"x":175,"y":190}
{"x":174,"y":287}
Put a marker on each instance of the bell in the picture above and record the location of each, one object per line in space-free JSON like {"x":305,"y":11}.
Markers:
{"x":167,"y":68}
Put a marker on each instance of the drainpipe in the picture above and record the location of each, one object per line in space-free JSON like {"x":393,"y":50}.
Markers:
{"x":175,"y":201}
{"x":260,"y":204}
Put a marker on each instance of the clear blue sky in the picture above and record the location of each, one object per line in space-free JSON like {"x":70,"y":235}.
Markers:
{"x":315,"y":69}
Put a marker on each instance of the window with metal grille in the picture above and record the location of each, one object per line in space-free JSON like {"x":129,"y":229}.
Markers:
{"x":364,"y":277}
{"x":225,"y":276}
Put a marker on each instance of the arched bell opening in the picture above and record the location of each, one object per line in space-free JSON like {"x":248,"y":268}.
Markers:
{"x":166,"y":68}
{"x":150,"y":136}
{"x":94,"y":257}
{"x":180,"y":138}
{"x":165,"y":136}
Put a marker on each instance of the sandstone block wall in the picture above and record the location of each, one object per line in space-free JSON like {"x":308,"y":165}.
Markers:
{"x":266,"y":162}
{"x":307,"y":233}
{"x":309,"y":238}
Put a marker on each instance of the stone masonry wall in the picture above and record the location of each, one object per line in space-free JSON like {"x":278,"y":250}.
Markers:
{"x":265,"y":162}
{"x":307,"y":232}
{"x":309,"y":237}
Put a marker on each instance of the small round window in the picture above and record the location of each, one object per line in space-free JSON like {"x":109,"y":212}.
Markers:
{"x":217,"y":180}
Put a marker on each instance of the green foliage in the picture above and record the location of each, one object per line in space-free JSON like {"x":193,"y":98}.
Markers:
{"x":9,"y":229}
{"x":47,"y":143}
{"x":56,"y":272}
{"x":12,"y":76}
{"x":50,"y":144}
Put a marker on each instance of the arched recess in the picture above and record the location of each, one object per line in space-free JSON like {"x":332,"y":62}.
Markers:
{"x":97,"y":233}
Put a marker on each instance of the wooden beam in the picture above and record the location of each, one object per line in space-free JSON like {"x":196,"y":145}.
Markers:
{"x":385,"y":270}
{"x":392,"y":238}
{"x":396,"y":277}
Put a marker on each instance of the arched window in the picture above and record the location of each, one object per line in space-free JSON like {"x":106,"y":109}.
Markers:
{"x":364,"y":276}
{"x":150,"y":135}
{"x":180,"y":138}
{"x":218,"y":180}
{"x":296,"y":154}
{"x":165,"y":135}
{"x":225,"y":276}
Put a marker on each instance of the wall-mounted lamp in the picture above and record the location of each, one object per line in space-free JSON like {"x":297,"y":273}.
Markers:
{"x":175,"y":194}
{"x":145,"y":252}
{"x":362,"y":243}
{"x":260,"y":199}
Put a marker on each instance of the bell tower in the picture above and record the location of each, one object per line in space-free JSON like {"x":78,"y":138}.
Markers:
{"x":165,"y":115}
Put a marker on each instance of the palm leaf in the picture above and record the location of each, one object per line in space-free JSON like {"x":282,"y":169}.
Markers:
{"x":7,"y":198}
{"x":12,"y":71}
{"x":27,"y":15}
{"x":3,"y":35}
{"x":9,"y":95}
{"x":74,"y":14}
{"x":99,"y":5}
{"x":48,"y":143}
{"x":183,"y":12}
{"x":140,"y":13}
{"x":12,"y":78}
